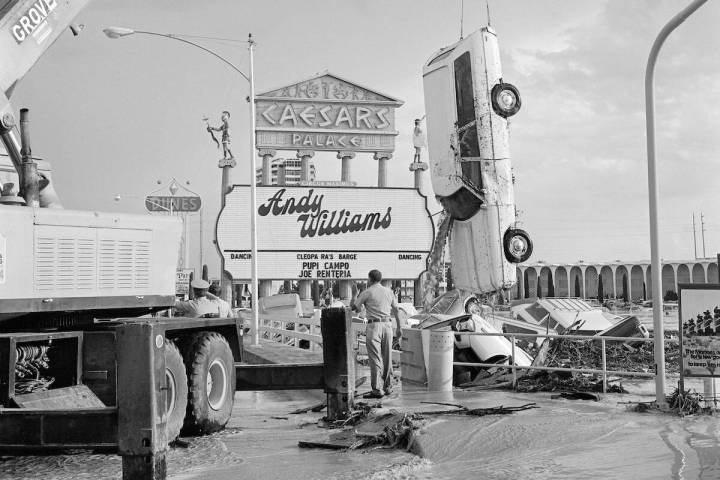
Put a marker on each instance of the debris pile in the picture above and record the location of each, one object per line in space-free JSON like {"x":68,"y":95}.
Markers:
{"x":393,"y":430}
{"x":688,"y":402}
{"x":361,"y":430}
{"x":587,"y":354}
{"x":477,"y":412}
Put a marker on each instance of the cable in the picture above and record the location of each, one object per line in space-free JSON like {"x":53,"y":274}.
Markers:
{"x":462,"y":15}
{"x":233,"y":40}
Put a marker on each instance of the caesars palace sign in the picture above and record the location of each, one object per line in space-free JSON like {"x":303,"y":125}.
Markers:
{"x":326,"y":112}
{"x":326,"y":233}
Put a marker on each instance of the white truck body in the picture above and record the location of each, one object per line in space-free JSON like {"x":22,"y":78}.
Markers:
{"x":66,"y":260}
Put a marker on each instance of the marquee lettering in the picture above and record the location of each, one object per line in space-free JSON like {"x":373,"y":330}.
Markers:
{"x":317,"y":221}
{"x":344,"y":116}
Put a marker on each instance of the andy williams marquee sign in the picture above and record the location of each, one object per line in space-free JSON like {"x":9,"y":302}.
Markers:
{"x":327,"y":233}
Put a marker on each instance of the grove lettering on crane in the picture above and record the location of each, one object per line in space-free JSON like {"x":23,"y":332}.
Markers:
{"x":33,"y":19}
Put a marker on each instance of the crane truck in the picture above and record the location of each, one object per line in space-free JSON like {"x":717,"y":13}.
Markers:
{"x":80,"y":350}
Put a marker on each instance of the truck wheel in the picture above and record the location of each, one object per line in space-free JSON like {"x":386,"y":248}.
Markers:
{"x":176,"y":390}
{"x":517,"y":245}
{"x":211,"y":383}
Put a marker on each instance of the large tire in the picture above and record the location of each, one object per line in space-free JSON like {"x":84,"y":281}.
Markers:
{"x":176,"y":389}
{"x":210,"y":370}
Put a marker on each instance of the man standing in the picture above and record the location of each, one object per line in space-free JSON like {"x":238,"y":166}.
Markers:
{"x":201,"y":305}
{"x":379,"y":303}
{"x":224,"y":310}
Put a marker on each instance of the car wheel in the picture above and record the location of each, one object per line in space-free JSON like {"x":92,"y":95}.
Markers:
{"x":505,"y":99}
{"x":517,"y":245}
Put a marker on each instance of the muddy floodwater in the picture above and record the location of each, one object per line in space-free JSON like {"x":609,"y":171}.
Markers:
{"x":563,"y":439}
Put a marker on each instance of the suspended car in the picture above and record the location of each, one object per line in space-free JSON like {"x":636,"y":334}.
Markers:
{"x":467,"y":106}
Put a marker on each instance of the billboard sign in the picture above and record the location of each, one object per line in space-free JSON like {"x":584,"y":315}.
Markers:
{"x":327,"y":233}
{"x":167,"y":203}
{"x":699,"y":326}
{"x":326,"y":112}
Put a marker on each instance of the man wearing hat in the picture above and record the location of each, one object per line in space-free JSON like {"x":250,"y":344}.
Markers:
{"x":201,"y":305}
{"x":224,"y":309}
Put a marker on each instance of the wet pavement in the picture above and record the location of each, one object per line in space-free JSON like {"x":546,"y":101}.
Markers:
{"x":562,"y":439}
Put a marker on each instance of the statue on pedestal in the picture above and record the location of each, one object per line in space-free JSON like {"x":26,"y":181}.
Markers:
{"x":225,"y":129}
{"x":419,"y":141}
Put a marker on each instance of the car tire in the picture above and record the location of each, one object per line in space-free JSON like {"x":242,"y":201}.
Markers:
{"x":517,"y":245}
{"x":210,"y":370}
{"x":502,"y":110}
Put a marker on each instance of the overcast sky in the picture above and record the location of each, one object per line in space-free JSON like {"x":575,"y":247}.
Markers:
{"x":114,"y":116}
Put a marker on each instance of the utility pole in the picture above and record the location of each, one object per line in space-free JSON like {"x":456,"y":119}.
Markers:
{"x":694,"y":237}
{"x":702,"y":231}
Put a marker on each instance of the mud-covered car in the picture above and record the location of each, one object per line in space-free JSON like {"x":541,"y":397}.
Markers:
{"x":467,"y":105}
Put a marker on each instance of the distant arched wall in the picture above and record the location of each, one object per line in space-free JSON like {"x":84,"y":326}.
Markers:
{"x":608,"y":279}
{"x":576,"y":277}
{"x":519,"y":283}
{"x":668,"y":279}
{"x":619,"y":273}
{"x":712,"y":273}
{"x":649,"y":282}
{"x":683,"y":274}
{"x":561,"y":282}
{"x":546,"y":282}
{"x":591,"y":282}
{"x":531,"y":276}
{"x":698,"y":273}
{"x":636,"y":282}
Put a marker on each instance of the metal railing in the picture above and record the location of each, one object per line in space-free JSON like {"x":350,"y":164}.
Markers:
{"x":289,"y":329}
{"x":604,"y":371}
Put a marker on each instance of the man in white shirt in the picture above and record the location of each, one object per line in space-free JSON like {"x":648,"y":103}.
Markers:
{"x":379,"y":303}
{"x":224,"y":309}
{"x":201,"y":305}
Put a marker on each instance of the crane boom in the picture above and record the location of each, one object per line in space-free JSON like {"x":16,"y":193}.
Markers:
{"x":27,"y":29}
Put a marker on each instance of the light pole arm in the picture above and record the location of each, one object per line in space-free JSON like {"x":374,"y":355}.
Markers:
{"x":119,"y":32}
{"x":656,"y":274}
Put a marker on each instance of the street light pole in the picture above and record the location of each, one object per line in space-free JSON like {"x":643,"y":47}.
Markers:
{"x":658,"y":328}
{"x":118,"y":32}
{"x":253,"y":203}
